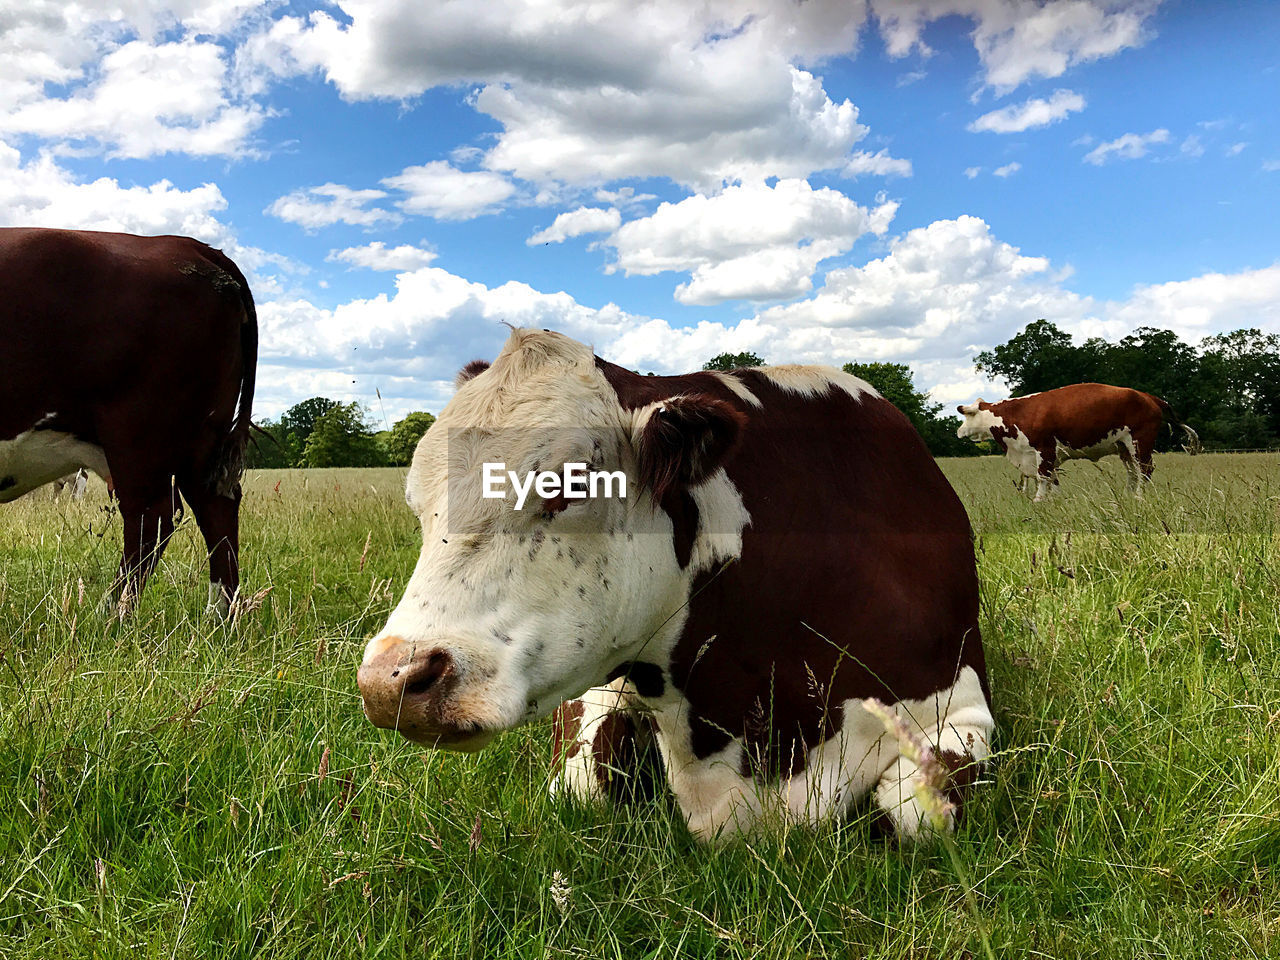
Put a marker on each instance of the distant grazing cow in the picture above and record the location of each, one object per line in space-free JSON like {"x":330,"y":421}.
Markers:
{"x":1083,"y":421}
{"x":786,"y":548}
{"x":134,"y":357}
{"x":73,"y":484}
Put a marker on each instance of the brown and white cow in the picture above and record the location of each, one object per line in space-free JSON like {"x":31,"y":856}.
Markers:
{"x":133,"y":357}
{"x":786,"y":548}
{"x":1087,"y":421}
{"x":73,"y":484}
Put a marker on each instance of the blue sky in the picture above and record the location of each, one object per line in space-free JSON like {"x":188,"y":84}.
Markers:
{"x":817,"y":182}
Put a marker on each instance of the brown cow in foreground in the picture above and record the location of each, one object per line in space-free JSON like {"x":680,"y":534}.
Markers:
{"x":133,"y":357}
{"x":785,"y":548}
{"x":1083,"y":421}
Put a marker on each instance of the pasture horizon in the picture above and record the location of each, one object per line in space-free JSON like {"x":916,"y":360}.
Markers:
{"x":176,"y":786}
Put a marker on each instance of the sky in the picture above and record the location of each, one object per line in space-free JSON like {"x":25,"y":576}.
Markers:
{"x":816,"y":181}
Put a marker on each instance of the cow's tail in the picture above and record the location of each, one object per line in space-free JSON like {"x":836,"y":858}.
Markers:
{"x":1193,"y":445}
{"x":228,"y":466}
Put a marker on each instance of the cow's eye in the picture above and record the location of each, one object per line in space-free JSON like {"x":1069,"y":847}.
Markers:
{"x":557,"y":504}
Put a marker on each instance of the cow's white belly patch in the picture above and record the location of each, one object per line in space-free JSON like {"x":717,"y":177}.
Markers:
{"x":1111,"y":443}
{"x":37,"y":457}
{"x":718,"y":801}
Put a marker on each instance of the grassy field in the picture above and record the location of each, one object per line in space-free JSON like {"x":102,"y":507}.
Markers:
{"x":175,"y":787}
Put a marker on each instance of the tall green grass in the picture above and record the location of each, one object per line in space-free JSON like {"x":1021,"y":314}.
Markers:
{"x":172,"y":786}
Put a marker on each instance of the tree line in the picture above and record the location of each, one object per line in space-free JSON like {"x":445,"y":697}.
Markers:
{"x":1227,"y":388}
{"x":320,"y":432}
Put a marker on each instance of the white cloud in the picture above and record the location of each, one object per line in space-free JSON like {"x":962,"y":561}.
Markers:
{"x":1204,"y":305}
{"x":878,"y":164}
{"x":913,"y":76}
{"x":40,"y":193}
{"x":752,"y":241}
{"x":398,"y":48}
{"x":972,"y":172}
{"x":409,"y":344}
{"x":740,"y":121}
{"x":704,"y":94}
{"x":1271,"y":166}
{"x":442,"y":191}
{"x":574,"y":223}
{"x":1191,"y":146}
{"x":939,"y":294}
{"x":330,"y":203}
{"x":1008,"y":169}
{"x":378,"y":256}
{"x":1131,"y":146}
{"x":1033,"y":113}
{"x":98,"y":77}
{"x":623,"y":197}
{"x":588,"y":93}
{"x":1017,"y":40}
{"x":1235,"y":149}
{"x":939,"y":289}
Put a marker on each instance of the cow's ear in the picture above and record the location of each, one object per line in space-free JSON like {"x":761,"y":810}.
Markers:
{"x":684,"y":440}
{"x":472,"y":369}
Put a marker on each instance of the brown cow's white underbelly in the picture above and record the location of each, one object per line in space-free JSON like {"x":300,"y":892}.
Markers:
{"x":37,"y":457}
{"x":1111,"y":443}
{"x":718,"y":801}
{"x":1027,"y":459}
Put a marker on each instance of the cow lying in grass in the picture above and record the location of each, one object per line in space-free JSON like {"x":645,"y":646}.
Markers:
{"x":786,"y":548}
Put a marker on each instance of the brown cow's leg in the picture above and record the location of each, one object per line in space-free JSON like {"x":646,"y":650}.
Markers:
{"x":1130,"y":466}
{"x":1144,"y":446}
{"x":148,"y":524}
{"x":219,"y":520}
{"x":1145,"y":462}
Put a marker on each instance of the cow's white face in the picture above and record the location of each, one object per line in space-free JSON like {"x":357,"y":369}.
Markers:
{"x":509,"y":612}
{"x":978,"y":421}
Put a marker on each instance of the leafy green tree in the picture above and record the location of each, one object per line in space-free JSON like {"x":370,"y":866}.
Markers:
{"x":300,"y":419}
{"x":341,"y":437}
{"x":1041,"y":357}
{"x":1156,"y":361}
{"x":733,"y":361}
{"x":1239,"y":388}
{"x":268,"y":447}
{"x":286,"y":441}
{"x":403,"y":438}
{"x":896,"y":384}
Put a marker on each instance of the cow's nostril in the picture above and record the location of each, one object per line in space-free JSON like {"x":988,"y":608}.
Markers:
{"x":423,"y":674}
